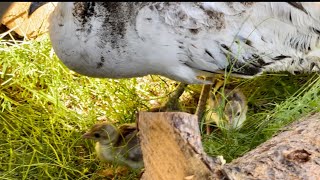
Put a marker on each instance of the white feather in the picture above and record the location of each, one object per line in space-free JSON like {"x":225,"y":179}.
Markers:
{"x":184,"y":40}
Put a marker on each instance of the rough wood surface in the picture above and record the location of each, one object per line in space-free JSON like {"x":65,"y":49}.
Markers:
{"x":292,"y":154}
{"x":172,"y":149}
{"x":16,"y":19}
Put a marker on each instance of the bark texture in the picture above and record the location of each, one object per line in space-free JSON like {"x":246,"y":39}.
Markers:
{"x":16,"y":19}
{"x":172,"y":149}
{"x":292,"y":154}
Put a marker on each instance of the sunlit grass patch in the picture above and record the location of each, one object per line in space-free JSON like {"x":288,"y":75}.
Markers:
{"x":45,"y":108}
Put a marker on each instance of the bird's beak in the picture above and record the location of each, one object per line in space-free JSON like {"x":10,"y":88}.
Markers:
{"x":34,"y":6}
{"x":87,"y":135}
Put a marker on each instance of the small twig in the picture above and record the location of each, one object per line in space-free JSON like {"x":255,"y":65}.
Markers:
{"x":203,"y":99}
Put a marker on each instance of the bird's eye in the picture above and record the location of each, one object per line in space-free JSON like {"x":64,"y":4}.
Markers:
{"x":238,"y":114}
{"x":97,"y":135}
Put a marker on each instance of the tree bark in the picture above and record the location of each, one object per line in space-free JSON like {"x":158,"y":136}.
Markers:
{"x":292,"y":154}
{"x":16,"y":18}
{"x":172,"y":149}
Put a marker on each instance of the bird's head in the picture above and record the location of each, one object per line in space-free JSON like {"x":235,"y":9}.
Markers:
{"x":104,"y":132}
{"x":235,"y":109}
{"x":34,"y":6}
{"x":228,"y":109}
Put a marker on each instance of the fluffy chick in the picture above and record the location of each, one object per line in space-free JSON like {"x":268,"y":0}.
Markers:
{"x":115,"y":145}
{"x":228,"y":108}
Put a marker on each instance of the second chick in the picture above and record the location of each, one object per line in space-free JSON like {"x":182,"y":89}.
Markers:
{"x":117,"y":145}
{"x":233,"y":109}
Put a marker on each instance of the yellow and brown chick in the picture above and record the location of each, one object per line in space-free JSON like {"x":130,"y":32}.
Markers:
{"x":227,"y":109}
{"x":117,"y":145}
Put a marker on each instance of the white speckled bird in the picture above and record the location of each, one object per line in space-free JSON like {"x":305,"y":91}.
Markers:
{"x":185,"y":40}
{"x":117,"y":145}
{"x":227,"y":109}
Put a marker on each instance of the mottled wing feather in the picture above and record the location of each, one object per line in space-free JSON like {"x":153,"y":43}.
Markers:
{"x":195,"y":21}
{"x":126,"y":129}
{"x":131,"y":143}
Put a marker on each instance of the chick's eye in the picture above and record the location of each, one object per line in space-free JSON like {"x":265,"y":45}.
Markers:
{"x":238,"y":114}
{"x":97,"y":135}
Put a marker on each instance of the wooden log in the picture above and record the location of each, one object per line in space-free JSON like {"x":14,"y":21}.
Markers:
{"x":292,"y":154}
{"x":172,"y":149}
{"x":16,"y":19}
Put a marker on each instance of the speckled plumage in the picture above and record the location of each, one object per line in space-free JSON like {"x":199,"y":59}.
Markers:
{"x":183,"y":40}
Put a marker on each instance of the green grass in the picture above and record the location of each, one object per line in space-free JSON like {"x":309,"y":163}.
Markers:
{"x":45,"y":108}
{"x":274,"y":101}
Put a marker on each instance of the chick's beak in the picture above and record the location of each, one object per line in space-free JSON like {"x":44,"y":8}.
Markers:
{"x":87,"y":135}
{"x":34,"y":6}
